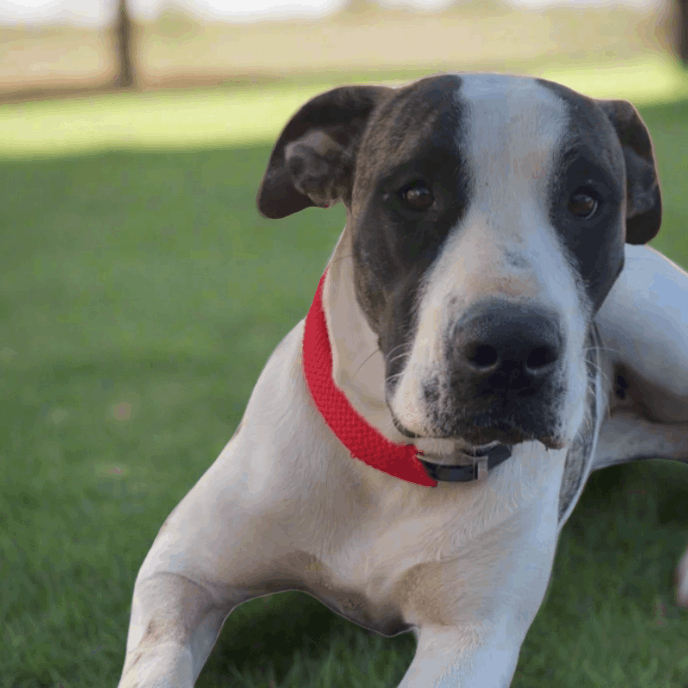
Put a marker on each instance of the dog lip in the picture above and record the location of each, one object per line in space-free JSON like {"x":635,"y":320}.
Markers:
{"x":480,"y":449}
{"x":476,"y":449}
{"x":472,"y":441}
{"x":507,"y":434}
{"x":467,"y":447}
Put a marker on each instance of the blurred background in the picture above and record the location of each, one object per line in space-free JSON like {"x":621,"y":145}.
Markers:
{"x":243,"y":49}
{"x":56,"y":48}
{"x":59,"y":46}
{"x":141,"y":294}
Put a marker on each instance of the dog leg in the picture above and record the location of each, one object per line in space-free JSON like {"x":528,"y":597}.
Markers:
{"x":644,"y":324}
{"x":626,"y":436}
{"x":191,"y":580}
{"x":456,"y":658}
{"x":644,"y":328}
{"x":174,"y":625}
{"x":230,"y":539}
{"x":490,"y":596}
{"x":221,"y":546}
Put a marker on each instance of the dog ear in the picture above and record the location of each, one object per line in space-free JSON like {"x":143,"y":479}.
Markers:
{"x":643,"y":197}
{"x":313,"y":160}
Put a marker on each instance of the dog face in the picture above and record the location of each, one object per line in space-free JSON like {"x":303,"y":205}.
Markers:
{"x":488,"y":216}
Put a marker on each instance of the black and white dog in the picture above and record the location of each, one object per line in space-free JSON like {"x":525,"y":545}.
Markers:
{"x":488,"y":331}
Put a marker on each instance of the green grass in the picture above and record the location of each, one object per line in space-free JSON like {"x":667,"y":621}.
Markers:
{"x":141,"y":295}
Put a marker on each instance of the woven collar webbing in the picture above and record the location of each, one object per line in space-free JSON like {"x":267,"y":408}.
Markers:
{"x":362,"y":440}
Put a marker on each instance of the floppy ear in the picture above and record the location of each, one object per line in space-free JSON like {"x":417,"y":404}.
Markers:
{"x":313,"y":160}
{"x":643,"y":198}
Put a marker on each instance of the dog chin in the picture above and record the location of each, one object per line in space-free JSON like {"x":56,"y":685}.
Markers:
{"x":459,"y":447}
{"x":510,"y":437}
{"x":451,"y":451}
{"x":448,"y":446}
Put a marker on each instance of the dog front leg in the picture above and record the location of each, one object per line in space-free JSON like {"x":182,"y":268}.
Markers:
{"x":209,"y":556}
{"x":474,"y":615}
{"x":174,"y":625}
{"x":448,"y":657}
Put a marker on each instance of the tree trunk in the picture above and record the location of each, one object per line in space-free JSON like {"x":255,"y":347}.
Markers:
{"x":124,"y":45}
{"x":683,"y":31}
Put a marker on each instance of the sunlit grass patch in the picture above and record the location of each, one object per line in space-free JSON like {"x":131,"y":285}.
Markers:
{"x":218,"y":117}
{"x":173,"y":119}
{"x":647,"y":80}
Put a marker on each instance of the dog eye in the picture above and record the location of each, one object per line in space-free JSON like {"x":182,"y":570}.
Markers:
{"x":417,"y":197}
{"x":582,"y":204}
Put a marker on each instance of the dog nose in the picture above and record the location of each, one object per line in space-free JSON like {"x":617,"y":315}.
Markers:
{"x":513,"y":346}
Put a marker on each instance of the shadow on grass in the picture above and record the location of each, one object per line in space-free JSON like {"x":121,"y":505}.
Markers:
{"x":274,"y":629}
{"x":290,"y":638}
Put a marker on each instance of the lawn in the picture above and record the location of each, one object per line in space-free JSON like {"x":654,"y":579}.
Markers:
{"x":141,"y":295}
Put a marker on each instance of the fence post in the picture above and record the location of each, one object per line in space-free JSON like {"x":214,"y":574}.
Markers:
{"x":124,"y":45}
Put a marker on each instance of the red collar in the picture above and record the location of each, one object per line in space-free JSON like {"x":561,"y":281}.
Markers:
{"x":362,"y":440}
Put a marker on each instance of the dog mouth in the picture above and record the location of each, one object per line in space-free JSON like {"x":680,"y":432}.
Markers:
{"x":505,"y":434}
{"x":473,"y":450}
{"x":464,"y":454}
{"x":478,"y":440}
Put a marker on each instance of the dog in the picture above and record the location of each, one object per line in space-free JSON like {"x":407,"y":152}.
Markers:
{"x":489,"y":330}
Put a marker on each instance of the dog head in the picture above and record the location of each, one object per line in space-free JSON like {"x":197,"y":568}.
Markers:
{"x":487,"y":218}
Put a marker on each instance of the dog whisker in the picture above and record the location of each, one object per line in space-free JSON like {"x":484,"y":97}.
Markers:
{"x":364,"y":362}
